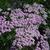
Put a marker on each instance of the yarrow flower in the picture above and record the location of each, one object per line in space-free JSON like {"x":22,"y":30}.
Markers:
{"x":5,"y":26}
{"x":42,"y":44}
{"x":26,"y":22}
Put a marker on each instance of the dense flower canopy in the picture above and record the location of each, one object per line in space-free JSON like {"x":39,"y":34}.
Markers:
{"x":26,"y":22}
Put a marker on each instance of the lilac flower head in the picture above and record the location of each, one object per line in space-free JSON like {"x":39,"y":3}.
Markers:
{"x":5,"y":26}
{"x":26,"y":23}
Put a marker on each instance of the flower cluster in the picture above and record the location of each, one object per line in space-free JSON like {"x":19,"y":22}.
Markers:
{"x":26,"y":22}
{"x":42,"y":44}
{"x":5,"y":26}
{"x":36,"y":8}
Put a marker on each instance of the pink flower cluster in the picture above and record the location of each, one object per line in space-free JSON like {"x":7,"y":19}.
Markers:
{"x":5,"y":26}
{"x":22,"y":19}
{"x":42,"y":44}
{"x":26,"y":22}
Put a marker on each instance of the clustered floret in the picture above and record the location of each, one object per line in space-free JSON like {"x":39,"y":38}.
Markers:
{"x":5,"y":26}
{"x":26,"y":22}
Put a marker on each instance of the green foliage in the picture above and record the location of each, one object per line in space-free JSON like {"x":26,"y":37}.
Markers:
{"x":32,"y":1}
{"x":6,"y":40}
{"x":27,"y":48}
{"x":47,"y":4}
{"x":49,"y":41}
{"x":4,"y":4}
